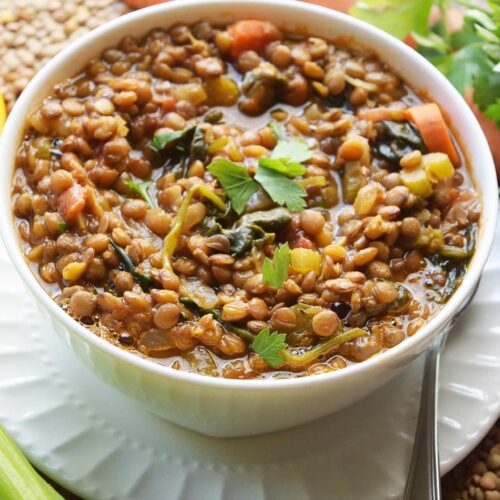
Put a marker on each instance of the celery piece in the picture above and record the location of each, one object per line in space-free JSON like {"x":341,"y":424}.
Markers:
{"x":18,"y":479}
{"x":297,"y":361}
{"x":172,"y":239}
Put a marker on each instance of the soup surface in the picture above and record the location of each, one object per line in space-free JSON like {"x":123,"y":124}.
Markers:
{"x":244,"y":203}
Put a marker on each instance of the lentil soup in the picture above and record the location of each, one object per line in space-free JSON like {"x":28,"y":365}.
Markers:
{"x":244,"y":203}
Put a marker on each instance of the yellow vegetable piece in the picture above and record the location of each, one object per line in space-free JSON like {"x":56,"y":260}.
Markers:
{"x":221,"y":91}
{"x":192,"y":92}
{"x":233,"y":151}
{"x":3,"y":112}
{"x":315,"y":180}
{"x":437,"y":166}
{"x":304,"y":260}
{"x":352,"y":181}
{"x":218,"y":145}
{"x":35,"y":254}
{"x":172,"y":239}
{"x":74,"y":271}
{"x":417,"y":182}
{"x":122,"y":128}
{"x":367,"y":198}
{"x":336,"y":252}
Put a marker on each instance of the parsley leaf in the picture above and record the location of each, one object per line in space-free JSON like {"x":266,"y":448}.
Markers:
{"x":295,"y":151}
{"x":397,"y":17}
{"x":63,"y":227}
{"x":287,"y":157}
{"x":493,"y":112}
{"x":487,"y":89}
{"x":270,"y":346}
{"x":278,"y":129}
{"x":275,"y":272}
{"x":142,"y":189}
{"x":282,"y":166}
{"x":234,"y":178}
{"x":465,"y":65}
{"x":161,"y":139}
{"x":282,"y":190}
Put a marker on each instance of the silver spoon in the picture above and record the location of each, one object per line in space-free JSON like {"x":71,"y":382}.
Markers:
{"x":423,"y":480}
{"x":423,"y":477}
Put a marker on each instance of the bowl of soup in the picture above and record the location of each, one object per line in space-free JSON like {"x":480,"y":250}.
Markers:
{"x":245,"y":218}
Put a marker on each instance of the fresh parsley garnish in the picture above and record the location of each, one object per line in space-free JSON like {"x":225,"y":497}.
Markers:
{"x":469,"y":57}
{"x":281,"y":189}
{"x":275,"y":272}
{"x":398,"y":17}
{"x":235,"y":180}
{"x":272,"y":175}
{"x":278,"y":129}
{"x":270,"y":346}
{"x":295,"y":151}
{"x":493,"y":112}
{"x":287,"y":157}
{"x":63,"y":227}
{"x":282,"y":166}
{"x":142,"y":189}
{"x":161,"y":139}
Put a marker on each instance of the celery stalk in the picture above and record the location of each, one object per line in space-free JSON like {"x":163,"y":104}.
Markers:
{"x":18,"y":479}
{"x":296,"y":361}
{"x":172,"y":239}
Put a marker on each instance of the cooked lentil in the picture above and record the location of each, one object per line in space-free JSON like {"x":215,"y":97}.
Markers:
{"x":381,"y":245}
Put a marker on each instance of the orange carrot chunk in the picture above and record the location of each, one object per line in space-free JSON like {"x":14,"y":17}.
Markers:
{"x":251,"y":35}
{"x":432,"y":127}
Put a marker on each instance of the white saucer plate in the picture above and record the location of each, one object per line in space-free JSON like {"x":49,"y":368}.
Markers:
{"x":98,"y":444}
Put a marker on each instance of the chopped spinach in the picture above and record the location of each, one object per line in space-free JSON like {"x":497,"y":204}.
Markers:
{"x":254,"y":229}
{"x":341,"y":100}
{"x":270,"y":220}
{"x":262,"y":87}
{"x":143,"y":280}
{"x":188,"y":145}
{"x":197,"y":310}
{"x":455,"y":271}
{"x":398,"y":139}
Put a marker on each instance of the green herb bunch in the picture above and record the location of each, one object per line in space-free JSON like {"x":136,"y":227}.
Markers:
{"x":469,"y":57}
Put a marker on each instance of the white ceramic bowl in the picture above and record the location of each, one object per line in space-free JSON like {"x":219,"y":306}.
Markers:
{"x":220,"y":407}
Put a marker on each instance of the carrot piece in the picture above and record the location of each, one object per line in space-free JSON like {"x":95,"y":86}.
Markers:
{"x":71,"y":202}
{"x":251,"y":34}
{"x":432,"y":127}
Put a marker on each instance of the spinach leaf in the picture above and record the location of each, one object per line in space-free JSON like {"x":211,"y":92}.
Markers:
{"x":269,"y":220}
{"x":254,"y":229}
{"x":128,"y":265}
{"x":188,"y":145}
{"x":341,"y":100}
{"x":398,"y":139}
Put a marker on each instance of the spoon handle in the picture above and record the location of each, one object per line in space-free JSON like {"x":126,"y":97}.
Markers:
{"x":423,"y":478}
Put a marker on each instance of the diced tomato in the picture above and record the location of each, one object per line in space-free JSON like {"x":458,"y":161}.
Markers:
{"x":251,"y":34}
{"x":303,"y":242}
{"x":71,"y":202}
{"x":168,"y":104}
